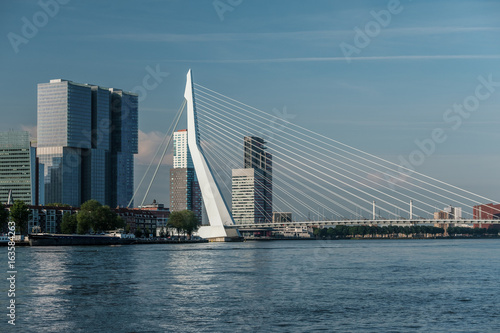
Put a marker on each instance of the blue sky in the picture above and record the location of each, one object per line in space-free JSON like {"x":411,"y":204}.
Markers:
{"x":276,"y":54}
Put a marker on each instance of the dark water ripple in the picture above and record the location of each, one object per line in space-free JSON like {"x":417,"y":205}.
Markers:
{"x":294,"y":286}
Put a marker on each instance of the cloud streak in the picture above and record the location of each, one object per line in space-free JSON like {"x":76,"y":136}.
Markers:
{"x":299,"y":35}
{"x":334,"y":59}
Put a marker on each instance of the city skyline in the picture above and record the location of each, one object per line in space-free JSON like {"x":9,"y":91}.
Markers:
{"x":287,"y":60}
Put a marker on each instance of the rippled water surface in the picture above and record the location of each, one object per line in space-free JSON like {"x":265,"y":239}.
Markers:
{"x":281,"y":286}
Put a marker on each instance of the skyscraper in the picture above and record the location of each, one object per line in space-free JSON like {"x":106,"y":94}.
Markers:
{"x":87,"y":136}
{"x":252,"y":185}
{"x":19,"y":169}
{"x":185,"y":190}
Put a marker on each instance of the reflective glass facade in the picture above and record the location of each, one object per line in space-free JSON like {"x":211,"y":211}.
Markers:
{"x":88,"y":136}
{"x":101,"y":118}
{"x":18,"y":169}
{"x":62,"y":174}
{"x":124,"y":144}
{"x":64,"y":117}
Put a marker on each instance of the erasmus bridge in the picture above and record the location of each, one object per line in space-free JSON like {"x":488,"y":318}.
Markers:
{"x":321,"y":181}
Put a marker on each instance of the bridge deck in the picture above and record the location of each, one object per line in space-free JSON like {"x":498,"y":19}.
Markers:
{"x":359,"y":222}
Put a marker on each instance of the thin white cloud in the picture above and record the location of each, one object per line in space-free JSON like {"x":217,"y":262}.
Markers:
{"x":354,"y":58}
{"x":438,"y":30}
{"x":305,"y":35}
{"x":223,"y":37}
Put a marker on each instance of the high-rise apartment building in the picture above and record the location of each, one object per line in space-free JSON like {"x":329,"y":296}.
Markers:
{"x":20,"y":176}
{"x":185,"y":190}
{"x":182,"y":157}
{"x":87,"y":138}
{"x":252,"y":185}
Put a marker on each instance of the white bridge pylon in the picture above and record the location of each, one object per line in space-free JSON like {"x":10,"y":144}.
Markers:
{"x":217,"y":211}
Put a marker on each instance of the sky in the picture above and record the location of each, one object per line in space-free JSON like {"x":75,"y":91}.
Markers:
{"x":377,"y":75}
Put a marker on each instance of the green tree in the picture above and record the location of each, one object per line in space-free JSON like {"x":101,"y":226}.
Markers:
{"x":20,"y":214}
{"x":69,"y":223}
{"x":119,"y":222}
{"x":127,"y":228}
{"x":184,"y":220}
{"x":93,"y":215}
{"x":105,"y":219}
{"x":138,"y":233}
{"x":84,"y":224}
{"x":4,"y":218}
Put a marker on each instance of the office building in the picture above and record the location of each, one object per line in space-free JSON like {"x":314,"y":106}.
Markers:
{"x":486,"y":212}
{"x":87,"y":138}
{"x":185,"y":192}
{"x":252,"y":185}
{"x":449,"y":213}
{"x":20,"y":175}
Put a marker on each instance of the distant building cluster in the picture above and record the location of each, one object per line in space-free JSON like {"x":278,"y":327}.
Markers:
{"x":449,"y":213}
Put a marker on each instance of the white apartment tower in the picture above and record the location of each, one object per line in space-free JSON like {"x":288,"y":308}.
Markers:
{"x":185,"y":191}
{"x":182,"y":158}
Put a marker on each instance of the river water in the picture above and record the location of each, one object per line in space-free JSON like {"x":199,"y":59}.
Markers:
{"x":275,"y":286}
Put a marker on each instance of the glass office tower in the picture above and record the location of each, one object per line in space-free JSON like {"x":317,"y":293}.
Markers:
{"x":19,"y":169}
{"x":87,"y":136}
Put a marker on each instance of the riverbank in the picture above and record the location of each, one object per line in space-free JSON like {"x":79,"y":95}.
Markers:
{"x":79,"y":240}
{"x":374,"y":238}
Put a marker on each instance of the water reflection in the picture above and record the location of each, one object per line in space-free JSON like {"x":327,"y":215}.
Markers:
{"x":268,"y":287}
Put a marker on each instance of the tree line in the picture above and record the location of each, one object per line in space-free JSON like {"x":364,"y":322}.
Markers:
{"x":343,"y":231}
{"x":455,"y":231}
